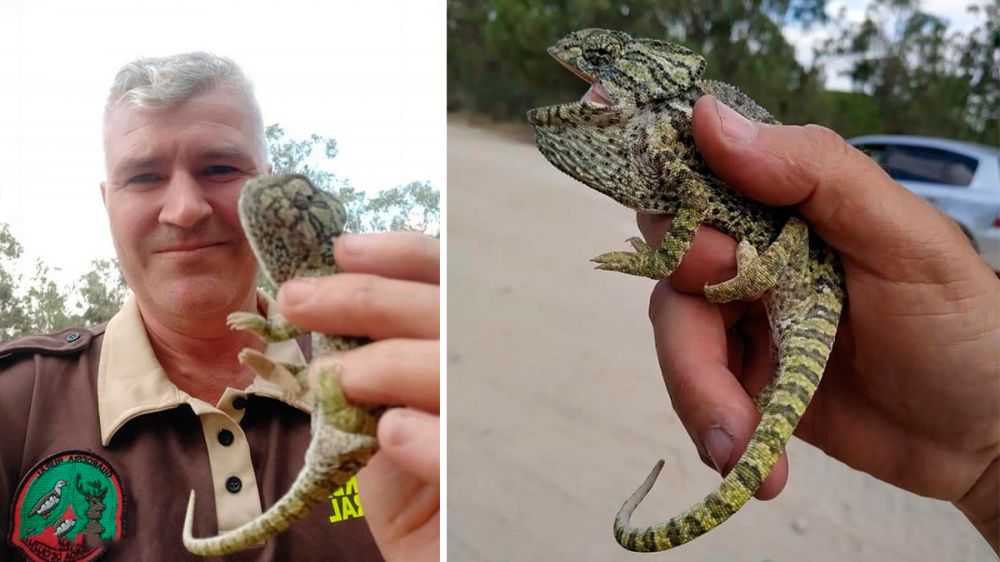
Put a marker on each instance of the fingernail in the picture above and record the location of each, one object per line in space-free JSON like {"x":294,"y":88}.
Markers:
{"x":354,"y":243}
{"x":399,"y":431}
{"x":734,"y":125}
{"x":295,"y":291}
{"x":719,"y":445}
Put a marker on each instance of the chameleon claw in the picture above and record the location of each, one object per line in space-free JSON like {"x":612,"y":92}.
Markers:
{"x":285,"y":374}
{"x":247,"y":322}
{"x":625,"y":262}
{"x":638,"y":244}
{"x":645,"y":262}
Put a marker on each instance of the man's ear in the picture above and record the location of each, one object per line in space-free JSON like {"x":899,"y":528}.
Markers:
{"x":104,"y":195}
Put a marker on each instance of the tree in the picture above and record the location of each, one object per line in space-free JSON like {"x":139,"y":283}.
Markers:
{"x":101,"y":291}
{"x":13,"y":316}
{"x":925,"y":79}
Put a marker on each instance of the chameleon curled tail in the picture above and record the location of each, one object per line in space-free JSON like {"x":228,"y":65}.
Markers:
{"x":342,"y":442}
{"x":803,"y":348}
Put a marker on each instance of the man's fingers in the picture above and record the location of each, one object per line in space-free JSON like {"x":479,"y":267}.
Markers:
{"x":396,"y":371}
{"x":711,"y":258}
{"x":690,"y":336}
{"x":411,"y":438}
{"x":400,"y":508}
{"x":409,"y":256}
{"x":356,"y":304}
{"x":850,"y":201}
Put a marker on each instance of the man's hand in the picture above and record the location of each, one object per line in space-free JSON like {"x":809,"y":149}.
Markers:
{"x":911,"y":394}
{"x":388,"y":292}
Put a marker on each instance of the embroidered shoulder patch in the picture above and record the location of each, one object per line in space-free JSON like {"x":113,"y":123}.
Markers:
{"x":67,"y":508}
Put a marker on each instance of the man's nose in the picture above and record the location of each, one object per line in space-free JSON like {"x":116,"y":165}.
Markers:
{"x":184,"y":202}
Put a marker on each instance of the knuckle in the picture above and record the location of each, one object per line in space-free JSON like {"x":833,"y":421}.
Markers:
{"x":364,"y":296}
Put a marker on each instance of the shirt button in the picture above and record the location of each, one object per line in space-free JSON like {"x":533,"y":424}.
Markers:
{"x":233,"y":484}
{"x":226,"y":437}
{"x":239,"y":402}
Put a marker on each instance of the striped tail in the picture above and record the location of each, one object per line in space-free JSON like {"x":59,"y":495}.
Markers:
{"x":802,"y":354}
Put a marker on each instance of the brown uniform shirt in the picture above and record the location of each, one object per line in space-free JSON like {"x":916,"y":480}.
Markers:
{"x":100,"y":450}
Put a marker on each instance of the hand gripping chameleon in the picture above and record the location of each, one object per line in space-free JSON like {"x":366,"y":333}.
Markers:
{"x":630,"y":138}
{"x":291,"y":226}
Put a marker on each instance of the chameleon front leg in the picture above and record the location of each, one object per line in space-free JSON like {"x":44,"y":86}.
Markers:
{"x":756,"y":274}
{"x":272,"y":330}
{"x":656,"y":263}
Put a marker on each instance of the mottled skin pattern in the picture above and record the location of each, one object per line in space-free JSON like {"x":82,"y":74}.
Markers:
{"x":291,"y":226}
{"x":630,"y":138}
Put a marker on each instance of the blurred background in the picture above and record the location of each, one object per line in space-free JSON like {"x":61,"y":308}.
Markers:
{"x":556,"y":407}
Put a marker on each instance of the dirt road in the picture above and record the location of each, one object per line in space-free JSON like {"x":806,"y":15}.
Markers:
{"x":557,"y":411}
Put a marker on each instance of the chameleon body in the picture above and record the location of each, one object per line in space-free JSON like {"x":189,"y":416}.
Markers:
{"x":291,"y":226}
{"x":630,"y":138}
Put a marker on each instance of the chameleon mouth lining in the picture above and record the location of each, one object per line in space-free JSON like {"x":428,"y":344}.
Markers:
{"x":597,"y":94}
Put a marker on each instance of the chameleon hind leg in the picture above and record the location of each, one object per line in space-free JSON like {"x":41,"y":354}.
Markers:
{"x":660,"y":262}
{"x":758,"y":273}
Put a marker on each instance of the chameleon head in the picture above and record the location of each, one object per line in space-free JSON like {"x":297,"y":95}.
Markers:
{"x":291,"y":225}
{"x":625,"y":72}
{"x":589,"y":139}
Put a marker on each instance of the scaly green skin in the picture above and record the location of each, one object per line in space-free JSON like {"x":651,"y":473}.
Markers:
{"x":291,"y":226}
{"x":632,"y":141}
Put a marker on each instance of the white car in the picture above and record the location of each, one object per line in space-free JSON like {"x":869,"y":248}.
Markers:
{"x":959,"y":178}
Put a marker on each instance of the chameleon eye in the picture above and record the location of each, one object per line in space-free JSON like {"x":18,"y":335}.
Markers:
{"x":603,"y":51}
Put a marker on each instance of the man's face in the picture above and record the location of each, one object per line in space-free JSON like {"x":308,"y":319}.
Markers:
{"x":173,"y":177}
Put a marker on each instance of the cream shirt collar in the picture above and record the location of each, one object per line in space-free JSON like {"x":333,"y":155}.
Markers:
{"x":131,"y":382}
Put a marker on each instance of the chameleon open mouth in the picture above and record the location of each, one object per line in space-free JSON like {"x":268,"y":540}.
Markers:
{"x":596,"y":94}
{"x":595,"y":98}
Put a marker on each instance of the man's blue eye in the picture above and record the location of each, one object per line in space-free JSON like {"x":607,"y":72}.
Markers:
{"x":215,"y":170}
{"x":142,"y":178}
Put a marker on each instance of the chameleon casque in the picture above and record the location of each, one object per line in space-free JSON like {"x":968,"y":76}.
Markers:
{"x":630,"y":138}
{"x":291,"y":226}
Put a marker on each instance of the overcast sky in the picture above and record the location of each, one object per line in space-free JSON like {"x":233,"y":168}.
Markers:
{"x":369,"y":74}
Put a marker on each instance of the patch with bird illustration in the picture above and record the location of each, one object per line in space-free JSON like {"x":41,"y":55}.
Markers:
{"x":68,"y":508}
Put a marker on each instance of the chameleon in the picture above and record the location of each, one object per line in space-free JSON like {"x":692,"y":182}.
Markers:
{"x":630,"y":138}
{"x":291,"y":226}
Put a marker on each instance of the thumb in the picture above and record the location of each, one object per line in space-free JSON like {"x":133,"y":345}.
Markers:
{"x":845,"y":196}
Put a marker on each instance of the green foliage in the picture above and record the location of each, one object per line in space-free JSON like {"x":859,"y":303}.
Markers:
{"x":101,"y":291}
{"x":911,"y":75}
{"x":39,"y":305}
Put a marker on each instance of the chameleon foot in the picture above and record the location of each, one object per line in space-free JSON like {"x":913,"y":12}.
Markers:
{"x":248,"y":322}
{"x":285,"y":374}
{"x":644,"y":262}
{"x":748,"y":282}
{"x":784,"y":258}
{"x":271,"y":330}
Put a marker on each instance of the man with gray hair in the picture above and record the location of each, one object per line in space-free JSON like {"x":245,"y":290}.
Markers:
{"x":108,"y":428}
